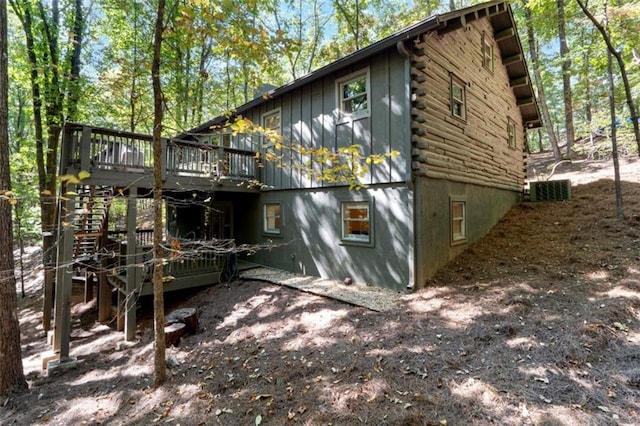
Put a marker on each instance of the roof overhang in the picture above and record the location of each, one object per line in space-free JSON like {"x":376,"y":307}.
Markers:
{"x":506,"y":36}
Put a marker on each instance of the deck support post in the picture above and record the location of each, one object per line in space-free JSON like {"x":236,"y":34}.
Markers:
{"x":131,"y":294}
{"x":104,"y":289}
{"x":64,"y":272}
{"x":49,"y":280}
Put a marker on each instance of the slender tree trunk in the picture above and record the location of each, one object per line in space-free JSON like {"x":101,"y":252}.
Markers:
{"x":566,"y":77}
{"x":25,"y":14}
{"x":623,"y":72}
{"x":614,"y":140}
{"x":49,"y":91}
{"x":11,"y":373}
{"x":73,"y":79}
{"x":158,"y":288}
{"x":533,"y":52}
{"x":539,"y":132}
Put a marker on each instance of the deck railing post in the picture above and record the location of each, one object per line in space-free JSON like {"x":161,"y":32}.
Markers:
{"x":221,"y":165}
{"x":85,"y":148}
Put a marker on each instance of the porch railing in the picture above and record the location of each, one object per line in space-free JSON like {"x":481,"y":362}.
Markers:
{"x":191,"y":260}
{"x":93,"y":148}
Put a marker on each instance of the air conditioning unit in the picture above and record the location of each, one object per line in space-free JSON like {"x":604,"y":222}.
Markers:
{"x":550,"y":190}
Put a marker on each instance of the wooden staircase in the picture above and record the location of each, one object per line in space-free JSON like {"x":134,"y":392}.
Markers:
{"x":90,"y":224}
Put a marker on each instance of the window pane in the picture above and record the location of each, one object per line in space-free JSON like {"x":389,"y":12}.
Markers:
{"x":457,"y":109}
{"x":353,"y":96}
{"x":458,"y":228}
{"x":356,"y":104}
{"x":457,"y":210}
{"x":355,"y":222}
{"x":272,"y":217}
{"x":354,"y":88}
{"x":272,"y":121}
{"x":457,"y":92}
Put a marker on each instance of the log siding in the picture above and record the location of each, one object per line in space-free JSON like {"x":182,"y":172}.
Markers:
{"x":474,"y":150}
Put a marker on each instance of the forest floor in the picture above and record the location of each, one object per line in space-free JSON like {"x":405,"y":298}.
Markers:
{"x":536,"y":324}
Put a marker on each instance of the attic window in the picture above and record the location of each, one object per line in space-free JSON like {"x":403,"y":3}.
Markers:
{"x":511,"y":133}
{"x":487,"y":52}
{"x":458,"y":98}
{"x":353,"y":95}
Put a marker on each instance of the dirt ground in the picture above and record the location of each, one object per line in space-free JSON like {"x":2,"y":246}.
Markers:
{"x":536,"y":324}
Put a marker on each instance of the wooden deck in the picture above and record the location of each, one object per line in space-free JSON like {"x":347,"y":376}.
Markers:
{"x":119,"y":158}
{"x":196,"y":278}
{"x":122,"y":162}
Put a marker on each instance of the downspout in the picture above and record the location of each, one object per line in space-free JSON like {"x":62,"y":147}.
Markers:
{"x":406,"y":134}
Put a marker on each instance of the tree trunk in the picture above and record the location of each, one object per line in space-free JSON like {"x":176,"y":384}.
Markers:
{"x":614,"y":140}
{"x":566,"y":77}
{"x":49,"y":91}
{"x":623,"y":72}
{"x":159,"y":364}
{"x":542,"y":100}
{"x":11,"y":374}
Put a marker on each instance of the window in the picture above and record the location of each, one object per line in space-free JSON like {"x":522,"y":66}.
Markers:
{"x":271,"y":121}
{"x":487,"y":52}
{"x":356,"y":222}
{"x":353,"y":95}
{"x":272,"y":218}
{"x":458,"y":221}
{"x":511,"y":133}
{"x":458,"y":102}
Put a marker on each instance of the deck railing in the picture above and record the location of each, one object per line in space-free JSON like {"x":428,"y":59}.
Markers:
{"x":190,"y":260}
{"x":144,"y":237}
{"x":93,"y":148}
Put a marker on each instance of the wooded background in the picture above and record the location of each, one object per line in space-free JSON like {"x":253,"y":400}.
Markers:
{"x":90,"y":62}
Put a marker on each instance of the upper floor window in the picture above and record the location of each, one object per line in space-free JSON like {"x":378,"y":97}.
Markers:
{"x":271,"y":121}
{"x":353,"y":95}
{"x":511,"y":133}
{"x":487,"y":52}
{"x":458,"y":98}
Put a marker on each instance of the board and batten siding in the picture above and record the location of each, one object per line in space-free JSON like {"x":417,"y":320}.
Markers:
{"x":310,"y":117}
{"x":474,"y":150}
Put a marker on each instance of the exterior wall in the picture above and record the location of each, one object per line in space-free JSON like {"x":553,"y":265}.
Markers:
{"x":310,"y":117}
{"x":468,"y":160}
{"x":474,"y":150}
{"x":310,"y":239}
{"x":484,"y":208}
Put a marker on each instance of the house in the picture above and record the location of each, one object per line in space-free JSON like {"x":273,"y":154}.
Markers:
{"x":450,"y":95}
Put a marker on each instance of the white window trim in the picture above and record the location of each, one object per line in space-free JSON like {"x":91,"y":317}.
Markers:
{"x":357,"y":240}
{"x":269,"y":113}
{"x":512,"y":138}
{"x":265,"y":228}
{"x":462,"y":238}
{"x":456,"y":82}
{"x":487,"y":52}
{"x":347,"y":116}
